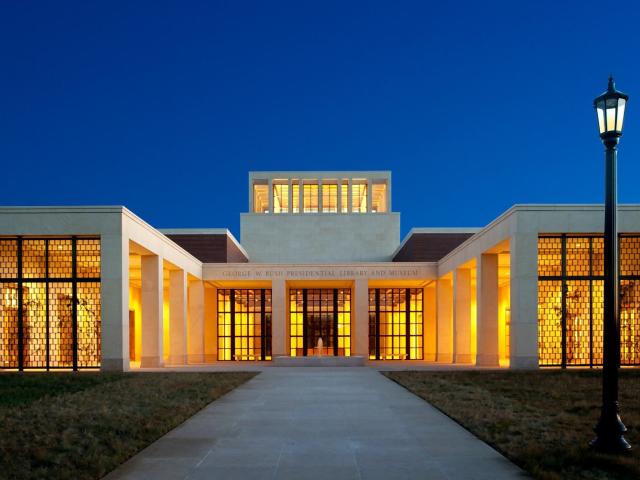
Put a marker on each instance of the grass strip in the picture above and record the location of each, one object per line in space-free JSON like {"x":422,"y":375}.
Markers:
{"x":541,"y":420}
{"x":81,"y":426}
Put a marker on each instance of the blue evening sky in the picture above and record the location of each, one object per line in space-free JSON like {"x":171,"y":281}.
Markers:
{"x":165,"y":106}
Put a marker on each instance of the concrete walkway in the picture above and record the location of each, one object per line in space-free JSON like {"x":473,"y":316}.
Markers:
{"x":318,"y":423}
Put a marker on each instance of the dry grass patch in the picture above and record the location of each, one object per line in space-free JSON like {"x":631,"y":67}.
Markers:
{"x":541,"y":420}
{"x":81,"y":426}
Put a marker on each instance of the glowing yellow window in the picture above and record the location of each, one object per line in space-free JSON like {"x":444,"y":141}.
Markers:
{"x":281,"y":198}
{"x":260,"y":198}
{"x":329,"y":198}
{"x":310,"y":197}
{"x":295,"y":197}
{"x":344,"y":197}
{"x":359,"y":198}
{"x":379,"y":197}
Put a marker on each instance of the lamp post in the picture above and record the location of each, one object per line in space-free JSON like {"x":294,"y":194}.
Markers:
{"x":610,"y":107}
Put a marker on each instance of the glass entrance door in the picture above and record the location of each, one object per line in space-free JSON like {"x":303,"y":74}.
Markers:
{"x":320,"y":322}
{"x":320,"y":314}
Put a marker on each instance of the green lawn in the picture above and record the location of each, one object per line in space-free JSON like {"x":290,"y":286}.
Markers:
{"x":83,"y":425}
{"x":541,"y":420}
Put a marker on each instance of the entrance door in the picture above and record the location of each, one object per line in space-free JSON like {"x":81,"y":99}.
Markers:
{"x":320,"y":321}
{"x":320,"y":314}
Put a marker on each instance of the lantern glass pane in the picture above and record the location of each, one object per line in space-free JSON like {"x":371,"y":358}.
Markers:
{"x":621,"y":104}
{"x":600,"y":119}
{"x":611,"y":119}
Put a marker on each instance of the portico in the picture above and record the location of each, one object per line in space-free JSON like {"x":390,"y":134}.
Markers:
{"x":351,"y":284}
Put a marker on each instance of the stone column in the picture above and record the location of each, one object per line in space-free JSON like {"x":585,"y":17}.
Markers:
{"x":360,"y":322}
{"x":114,"y":292}
{"x":177,"y":317}
{"x":462,"y":315}
{"x":339,"y":202}
{"x":488,"y":353}
{"x":429,"y":325}
{"x":279,"y":334}
{"x":320,"y":200}
{"x":152,"y":314}
{"x":369,"y":195}
{"x":350,"y":196}
{"x":524,"y":301}
{"x":210,"y":325}
{"x":444,"y":320}
{"x":270,"y":194}
{"x":195,"y":342}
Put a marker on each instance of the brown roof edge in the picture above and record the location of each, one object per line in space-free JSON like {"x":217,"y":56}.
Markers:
{"x":430,"y":246}
{"x":209,"y":246}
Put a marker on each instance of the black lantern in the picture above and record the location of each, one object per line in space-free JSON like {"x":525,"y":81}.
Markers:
{"x":610,"y":107}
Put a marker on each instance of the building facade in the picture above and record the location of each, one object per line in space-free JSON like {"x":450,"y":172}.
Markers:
{"x":320,"y":269}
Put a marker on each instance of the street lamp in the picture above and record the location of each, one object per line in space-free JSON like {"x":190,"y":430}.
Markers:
{"x":610,"y":107}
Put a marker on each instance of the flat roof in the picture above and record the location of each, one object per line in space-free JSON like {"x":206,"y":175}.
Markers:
{"x":321,"y":173}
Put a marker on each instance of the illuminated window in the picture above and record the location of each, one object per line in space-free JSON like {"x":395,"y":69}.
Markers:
{"x":395,"y":323}
{"x":244,"y":324}
{"x":8,"y":258}
{"x":59,"y":258}
{"x":379,"y":197}
{"x":50,"y":315}
{"x":88,"y":258}
{"x":310,"y":197}
{"x":281,"y":198}
{"x":320,"y":314}
{"x":34,"y":258}
{"x":630,"y":300}
{"x":571,"y":301}
{"x":344,"y":197}
{"x":359,"y":197}
{"x":329,"y":198}
{"x":61,"y":324}
{"x":549,"y":256}
{"x":9,"y":344}
{"x":630,"y":256}
{"x":88,"y":324}
{"x":295,"y":197}
{"x":550,"y":322}
{"x":630,"y":322}
{"x":260,"y":198}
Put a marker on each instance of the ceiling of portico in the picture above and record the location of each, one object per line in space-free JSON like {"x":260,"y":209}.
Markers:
{"x":135,"y":271}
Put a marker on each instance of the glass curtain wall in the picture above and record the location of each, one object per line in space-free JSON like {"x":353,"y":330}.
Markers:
{"x":50,"y":311}
{"x":395,"y":323}
{"x":244,"y":324}
{"x":571,"y":300}
{"x":320,"y":313}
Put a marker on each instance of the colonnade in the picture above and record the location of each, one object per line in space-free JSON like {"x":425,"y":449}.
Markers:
{"x":481,"y":312}
{"x":186,"y":315}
